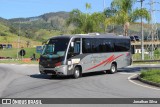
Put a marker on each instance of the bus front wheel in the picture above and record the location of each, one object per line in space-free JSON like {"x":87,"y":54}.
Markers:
{"x":77,"y":72}
{"x":113,"y":68}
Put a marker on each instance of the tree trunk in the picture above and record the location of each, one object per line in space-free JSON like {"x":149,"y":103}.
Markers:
{"x":126,"y":27}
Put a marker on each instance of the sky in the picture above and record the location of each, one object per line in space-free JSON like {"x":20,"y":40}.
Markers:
{"x":29,"y":8}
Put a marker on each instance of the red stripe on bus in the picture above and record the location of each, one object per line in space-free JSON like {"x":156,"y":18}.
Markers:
{"x":108,"y":60}
{"x":100,"y":63}
{"x":111,"y":58}
{"x":118,"y":56}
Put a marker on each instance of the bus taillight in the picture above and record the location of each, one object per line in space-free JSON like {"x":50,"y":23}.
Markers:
{"x":127,"y":54}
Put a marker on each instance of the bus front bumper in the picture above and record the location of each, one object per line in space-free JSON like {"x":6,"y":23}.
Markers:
{"x":60,"y":70}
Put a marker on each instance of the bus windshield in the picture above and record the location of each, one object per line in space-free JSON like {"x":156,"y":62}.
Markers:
{"x":55,"y":48}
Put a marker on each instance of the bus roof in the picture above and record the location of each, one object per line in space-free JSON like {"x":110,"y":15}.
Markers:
{"x":91,"y":36}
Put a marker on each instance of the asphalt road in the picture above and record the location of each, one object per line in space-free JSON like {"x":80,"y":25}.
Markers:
{"x":24,"y":81}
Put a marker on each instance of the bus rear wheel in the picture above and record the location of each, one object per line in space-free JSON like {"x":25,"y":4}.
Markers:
{"x":113,"y":68}
{"x":77,"y":73}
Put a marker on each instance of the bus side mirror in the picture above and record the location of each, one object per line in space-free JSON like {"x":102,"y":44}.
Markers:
{"x":72,"y":44}
{"x":132,"y":49}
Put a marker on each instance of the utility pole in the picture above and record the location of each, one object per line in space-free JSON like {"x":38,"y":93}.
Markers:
{"x":142,"y":35}
{"x":153,"y":35}
{"x":104,"y":7}
{"x":152,"y":32}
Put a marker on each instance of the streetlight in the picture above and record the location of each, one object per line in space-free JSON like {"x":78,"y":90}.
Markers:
{"x":142,"y":36}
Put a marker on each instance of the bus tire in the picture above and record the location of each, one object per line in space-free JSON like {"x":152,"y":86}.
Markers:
{"x":113,"y":68}
{"x":53,"y":76}
{"x":77,"y":73}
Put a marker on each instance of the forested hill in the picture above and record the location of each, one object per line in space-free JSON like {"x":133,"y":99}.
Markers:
{"x":45,"y":17}
{"x":2,"y":20}
{"x":36,"y":28}
{"x":47,"y":25}
{"x":49,"y":21}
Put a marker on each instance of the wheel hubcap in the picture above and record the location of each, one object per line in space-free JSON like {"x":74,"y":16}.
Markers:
{"x":113,"y":69}
{"x":77,"y":73}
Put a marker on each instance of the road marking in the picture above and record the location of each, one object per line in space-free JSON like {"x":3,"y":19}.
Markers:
{"x":125,"y":73}
{"x":129,"y":78}
{"x":29,"y":65}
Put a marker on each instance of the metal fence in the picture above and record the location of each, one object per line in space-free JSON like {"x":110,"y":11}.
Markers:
{"x":146,"y":57}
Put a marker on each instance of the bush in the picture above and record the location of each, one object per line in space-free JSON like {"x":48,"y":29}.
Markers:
{"x":2,"y":34}
{"x":157,"y":51}
{"x":152,"y":75}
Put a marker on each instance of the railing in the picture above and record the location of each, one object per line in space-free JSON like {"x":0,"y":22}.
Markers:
{"x":146,"y":43}
{"x":137,"y":57}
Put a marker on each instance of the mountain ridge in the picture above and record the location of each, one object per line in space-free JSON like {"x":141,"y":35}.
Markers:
{"x":45,"y":16}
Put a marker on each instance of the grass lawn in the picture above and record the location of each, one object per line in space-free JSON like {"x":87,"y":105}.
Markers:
{"x":137,"y":56}
{"x":152,"y":75}
{"x":13,"y":53}
{"x":17,"y":62}
{"x":13,"y":40}
{"x":136,"y":63}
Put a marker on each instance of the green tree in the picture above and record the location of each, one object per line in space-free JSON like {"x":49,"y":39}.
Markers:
{"x":77,"y":18}
{"x":93,"y":23}
{"x":5,"y":39}
{"x":109,"y":12}
{"x":98,"y":22}
{"x":28,"y":43}
{"x":88,"y":6}
{"x":125,"y":14}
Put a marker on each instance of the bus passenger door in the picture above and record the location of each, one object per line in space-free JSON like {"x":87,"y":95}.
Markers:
{"x":74,"y":48}
{"x":73,"y":54}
